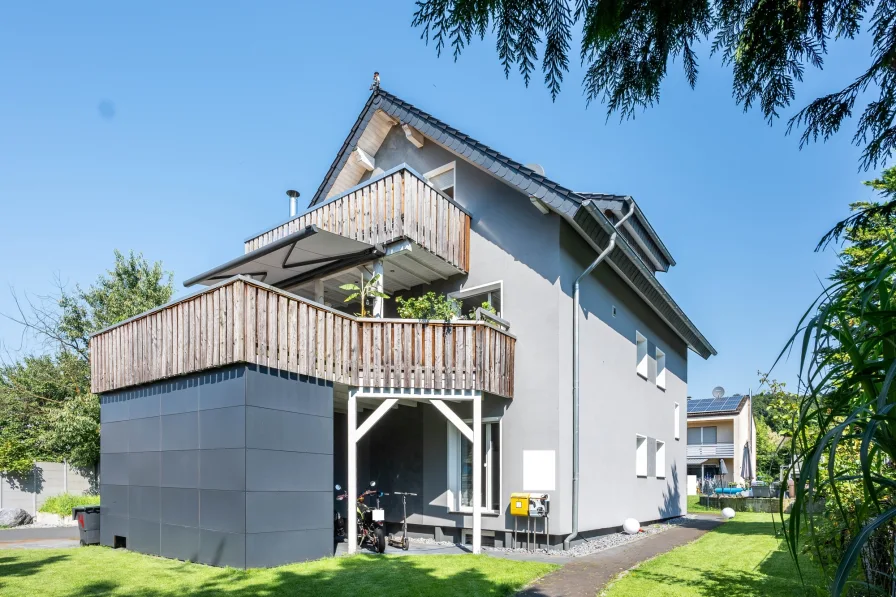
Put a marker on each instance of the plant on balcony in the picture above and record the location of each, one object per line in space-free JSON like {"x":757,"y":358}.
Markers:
{"x":429,"y":306}
{"x":485,"y":306}
{"x":366,"y":291}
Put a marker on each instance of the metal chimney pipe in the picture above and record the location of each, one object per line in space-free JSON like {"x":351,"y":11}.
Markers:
{"x":293,"y":202}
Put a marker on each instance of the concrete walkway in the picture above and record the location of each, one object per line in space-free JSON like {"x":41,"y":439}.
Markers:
{"x":586,"y":575}
{"x":39,"y":538}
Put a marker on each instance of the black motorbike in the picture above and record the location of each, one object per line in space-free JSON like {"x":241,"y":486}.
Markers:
{"x":370,"y":521}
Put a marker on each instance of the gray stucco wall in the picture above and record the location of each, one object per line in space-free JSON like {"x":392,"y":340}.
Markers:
{"x":232,"y":467}
{"x":537,"y":258}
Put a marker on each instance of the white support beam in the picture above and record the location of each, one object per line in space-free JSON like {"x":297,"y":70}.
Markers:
{"x":378,"y":304}
{"x":452,"y":416}
{"x":477,"y":475}
{"x":413,"y":135}
{"x":351,"y":523}
{"x":363,"y":159}
{"x":375,"y":416}
{"x":319,"y":291}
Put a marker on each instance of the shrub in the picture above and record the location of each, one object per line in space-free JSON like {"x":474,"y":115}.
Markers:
{"x":63,"y":503}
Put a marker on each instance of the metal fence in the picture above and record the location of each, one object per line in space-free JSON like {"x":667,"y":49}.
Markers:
{"x":29,"y":491}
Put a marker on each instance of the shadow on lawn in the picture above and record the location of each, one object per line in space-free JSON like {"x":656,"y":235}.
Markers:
{"x":11,"y":566}
{"x":353,"y":576}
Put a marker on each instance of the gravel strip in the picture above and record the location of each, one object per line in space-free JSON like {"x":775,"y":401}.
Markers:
{"x":44,"y":525}
{"x":600,"y":543}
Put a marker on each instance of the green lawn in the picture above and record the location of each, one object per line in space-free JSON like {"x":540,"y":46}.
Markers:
{"x":104,"y":571}
{"x":695,"y":507}
{"x":740,"y":558}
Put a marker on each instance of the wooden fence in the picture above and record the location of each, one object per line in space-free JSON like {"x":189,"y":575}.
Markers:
{"x":242,"y":320}
{"x":398,"y":205}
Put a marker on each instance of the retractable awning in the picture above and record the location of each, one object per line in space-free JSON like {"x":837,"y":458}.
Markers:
{"x":293,"y":259}
{"x":695,"y":461}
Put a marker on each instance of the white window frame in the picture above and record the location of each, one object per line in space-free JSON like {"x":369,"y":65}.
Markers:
{"x":453,"y":492}
{"x":442,"y":170}
{"x":677,"y":421}
{"x":641,"y":362}
{"x":489,"y":288}
{"x":660,"y":369}
{"x":660,"y":459}
{"x":640,"y":455}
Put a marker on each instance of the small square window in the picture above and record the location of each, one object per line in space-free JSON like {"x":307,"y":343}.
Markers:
{"x":640,"y":455}
{"x":660,"y":459}
{"x":641,"y":345}
{"x":660,"y":369}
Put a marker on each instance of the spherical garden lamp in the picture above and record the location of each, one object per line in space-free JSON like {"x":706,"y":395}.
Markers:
{"x":728,"y":513}
{"x":631,"y":526}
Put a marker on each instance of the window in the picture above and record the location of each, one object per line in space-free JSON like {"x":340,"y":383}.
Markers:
{"x":660,"y":459}
{"x":677,"y":421}
{"x":442,"y":178}
{"x":641,"y":344}
{"x":660,"y":369}
{"x":475,"y":296}
{"x":640,"y":455}
{"x":702,"y":435}
{"x":460,"y":468}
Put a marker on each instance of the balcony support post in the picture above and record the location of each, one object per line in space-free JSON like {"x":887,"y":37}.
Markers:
{"x":378,"y":305}
{"x":351,"y":522}
{"x":319,"y":291}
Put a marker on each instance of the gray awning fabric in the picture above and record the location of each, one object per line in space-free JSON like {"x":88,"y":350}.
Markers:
{"x":293,"y":259}
{"x":692,"y":461}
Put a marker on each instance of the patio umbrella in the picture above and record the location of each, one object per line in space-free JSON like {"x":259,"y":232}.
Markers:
{"x":723,"y":469}
{"x":746,"y":465}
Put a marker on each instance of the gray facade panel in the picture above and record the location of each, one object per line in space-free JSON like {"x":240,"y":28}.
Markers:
{"x":112,"y":526}
{"x":270,"y":470}
{"x":222,"y":469}
{"x":180,"y":543}
{"x":144,"y":536}
{"x":180,"y":506}
{"x":144,"y":468}
{"x":114,"y":437}
{"x":144,"y":403}
{"x":222,"y":549}
{"x":144,"y":435}
{"x":179,"y":396}
{"x":114,"y":407}
{"x":180,"y":431}
{"x":270,"y":388}
{"x":180,"y":469}
{"x":222,"y":428}
{"x":292,"y":432}
{"x":114,"y":469}
{"x":264,"y":550}
{"x":144,"y":503}
{"x":115,"y":500}
{"x":222,"y":510}
{"x":219,"y":389}
{"x":288,"y":511}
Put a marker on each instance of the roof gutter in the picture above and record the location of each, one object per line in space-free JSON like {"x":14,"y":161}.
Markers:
{"x":575,"y":373}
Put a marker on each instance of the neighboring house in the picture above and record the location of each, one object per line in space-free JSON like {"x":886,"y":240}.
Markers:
{"x":719,"y":430}
{"x":229,"y":415}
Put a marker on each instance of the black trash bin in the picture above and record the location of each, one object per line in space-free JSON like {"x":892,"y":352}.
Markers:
{"x":88,"y":518}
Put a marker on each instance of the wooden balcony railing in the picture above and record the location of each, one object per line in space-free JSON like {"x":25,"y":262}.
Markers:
{"x":243,"y":321}
{"x":398,"y":204}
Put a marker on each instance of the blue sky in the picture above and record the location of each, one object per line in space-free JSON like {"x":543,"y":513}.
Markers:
{"x":175,"y":128}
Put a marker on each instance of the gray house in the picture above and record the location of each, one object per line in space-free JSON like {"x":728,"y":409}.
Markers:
{"x":229,"y":415}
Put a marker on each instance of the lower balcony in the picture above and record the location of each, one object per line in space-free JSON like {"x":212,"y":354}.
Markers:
{"x":244,"y":321}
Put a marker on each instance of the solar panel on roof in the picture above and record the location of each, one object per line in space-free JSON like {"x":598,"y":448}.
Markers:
{"x":714,"y":405}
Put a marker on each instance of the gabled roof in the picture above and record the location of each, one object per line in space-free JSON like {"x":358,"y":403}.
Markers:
{"x":582,"y":211}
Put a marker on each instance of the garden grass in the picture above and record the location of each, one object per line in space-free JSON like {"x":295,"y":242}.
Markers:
{"x":742,"y":557}
{"x":694,"y":506}
{"x":104,"y":571}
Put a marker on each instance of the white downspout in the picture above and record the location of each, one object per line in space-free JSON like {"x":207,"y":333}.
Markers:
{"x":575,"y":375}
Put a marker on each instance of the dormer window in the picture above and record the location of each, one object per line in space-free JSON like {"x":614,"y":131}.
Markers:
{"x":442,"y":178}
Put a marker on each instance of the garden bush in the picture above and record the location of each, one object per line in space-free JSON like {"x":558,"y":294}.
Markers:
{"x":63,"y":503}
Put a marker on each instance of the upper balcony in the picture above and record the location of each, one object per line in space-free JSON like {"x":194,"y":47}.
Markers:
{"x":243,"y":321}
{"x":397,"y":204}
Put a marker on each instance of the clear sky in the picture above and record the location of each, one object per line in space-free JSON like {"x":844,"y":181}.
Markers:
{"x":175,"y":129}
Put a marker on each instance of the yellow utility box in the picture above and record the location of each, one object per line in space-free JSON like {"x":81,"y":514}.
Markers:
{"x":519,"y":504}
